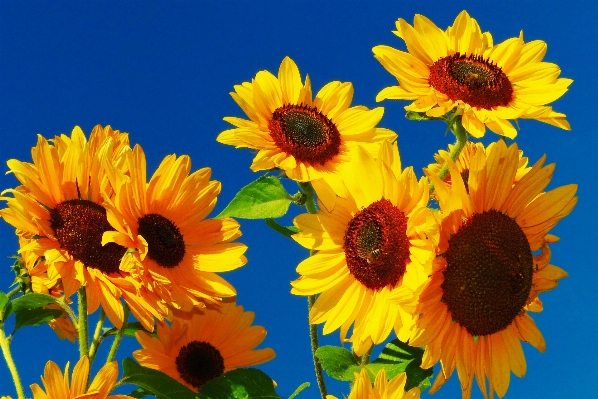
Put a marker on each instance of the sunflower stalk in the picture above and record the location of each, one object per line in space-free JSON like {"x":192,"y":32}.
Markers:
{"x":365,"y":359}
{"x":310,"y":196}
{"x":119,"y":335}
{"x":82,"y":327}
{"x":95,"y":343}
{"x":5,"y":345}
{"x":461,"y":134}
{"x":313,"y":334}
{"x":274,"y":225}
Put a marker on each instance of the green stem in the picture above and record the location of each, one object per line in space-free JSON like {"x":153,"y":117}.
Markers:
{"x":82,"y":325}
{"x":95,"y":343}
{"x":313,"y":334}
{"x":310,"y":194}
{"x":13,"y":292}
{"x":69,"y":311}
{"x":274,"y":225}
{"x":365,"y":359}
{"x":461,"y":135}
{"x":5,"y":345}
{"x":119,"y":335}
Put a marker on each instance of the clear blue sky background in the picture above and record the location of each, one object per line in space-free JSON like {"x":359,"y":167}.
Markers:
{"x":162,"y":71}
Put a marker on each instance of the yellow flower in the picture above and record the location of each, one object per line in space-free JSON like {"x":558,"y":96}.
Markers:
{"x":460,"y":69}
{"x":179,"y":250}
{"x":382,"y":389}
{"x":306,"y":138}
{"x":493,"y":262}
{"x":202,"y":346}
{"x":57,"y":385}
{"x":375,"y":249}
{"x":59,"y":209}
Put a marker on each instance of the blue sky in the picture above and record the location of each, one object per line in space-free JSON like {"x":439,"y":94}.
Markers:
{"x":162,"y":71}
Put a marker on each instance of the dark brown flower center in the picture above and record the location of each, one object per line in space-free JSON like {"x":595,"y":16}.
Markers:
{"x":471,"y":79}
{"x":199,"y":362}
{"x":489,"y":270}
{"x":164,"y":240}
{"x":376,"y":245}
{"x":305,"y":133}
{"x":78,"y":226}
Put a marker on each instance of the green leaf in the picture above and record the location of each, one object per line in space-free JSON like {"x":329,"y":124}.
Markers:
{"x":130,"y":330}
{"x":157,"y":383}
{"x":261,"y":199}
{"x":140,"y":393}
{"x":339,"y":363}
{"x":35,"y":317}
{"x":244,"y":383}
{"x":29,"y":301}
{"x":299,"y":389}
{"x":398,"y":357}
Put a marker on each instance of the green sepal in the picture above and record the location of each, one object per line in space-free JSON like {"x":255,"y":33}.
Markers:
{"x":264,"y":198}
{"x":28,"y":302}
{"x":299,"y":389}
{"x":35,"y":317}
{"x":129,"y":330}
{"x":243,"y":383}
{"x":155,"y":382}
{"x":417,"y":116}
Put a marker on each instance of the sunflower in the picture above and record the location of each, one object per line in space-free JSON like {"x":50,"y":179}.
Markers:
{"x":306,"y":138}
{"x":493,"y":262}
{"x":57,"y":385}
{"x":463,"y":162}
{"x":382,"y":389}
{"x":202,"y":346}
{"x":178,"y":250}
{"x":59,"y":209}
{"x":460,"y":69}
{"x":375,"y":249}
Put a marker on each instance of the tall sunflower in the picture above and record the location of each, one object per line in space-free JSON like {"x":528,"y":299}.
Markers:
{"x":375,"y":249}
{"x":204,"y":345}
{"x":178,"y":249}
{"x":383,"y":387}
{"x":59,"y":209}
{"x":493,"y":262}
{"x":460,"y":69}
{"x":305,"y":137}
{"x":57,"y":385}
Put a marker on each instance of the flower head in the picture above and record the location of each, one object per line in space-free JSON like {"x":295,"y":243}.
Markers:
{"x":493,"y":262}
{"x":375,"y":249}
{"x":178,"y":249}
{"x":59,"y":212}
{"x":461,"y":70}
{"x":308,"y":138}
{"x":204,"y":345}
{"x":57,"y":384}
{"x":383,"y":388}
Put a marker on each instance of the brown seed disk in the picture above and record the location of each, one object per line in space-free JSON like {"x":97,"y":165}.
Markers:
{"x":78,"y":226}
{"x":165,"y":242}
{"x":376,"y":245}
{"x":489,"y":271}
{"x":471,"y":79}
{"x":199,"y":362}
{"x":305,"y":133}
